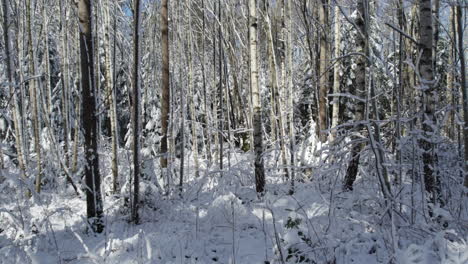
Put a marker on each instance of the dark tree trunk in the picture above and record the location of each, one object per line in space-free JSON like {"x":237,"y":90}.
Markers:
{"x":93,"y":180}
{"x":463,"y":86}
{"x":165,"y":84}
{"x":136,"y":121}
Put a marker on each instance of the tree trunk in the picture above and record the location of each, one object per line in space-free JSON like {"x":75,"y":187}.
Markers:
{"x":136,"y":121}
{"x":257,"y":115}
{"x":93,"y":179}
{"x":207,"y":120}
{"x":290,"y":90}
{"x":323,"y":73}
{"x":33,"y":95}
{"x":65,"y":81}
{"x":450,"y":127}
{"x":15,"y":105}
{"x":336,"y":70}
{"x":220,"y":93}
{"x":165,"y":85}
{"x":359,"y":87}
{"x":48,"y":89}
{"x":193,"y":118}
{"x":110,"y":95}
{"x":461,"y":52}
{"x":436,"y":22}
{"x":276,"y":114}
{"x":426,"y":71}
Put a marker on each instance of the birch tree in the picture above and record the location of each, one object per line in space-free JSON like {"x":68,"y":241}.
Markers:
{"x":257,"y":110}
{"x":110,"y":95}
{"x":336,"y":69}
{"x":426,"y":72}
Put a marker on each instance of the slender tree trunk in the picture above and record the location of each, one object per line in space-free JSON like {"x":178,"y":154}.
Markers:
{"x":276,"y":118}
{"x":136,"y":119}
{"x":400,"y":88}
{"x":257,"y":115}
{"x":33,"y":95}
{"x":65,"y":81}
{"x":205,"y":92}
{"x":451,"y":75}
{"x":22,"y":101}
{"x":48,"y":89}
{"x":111,"y":99}
{"x":77,"y":104}
{"x":426,"y":71}
{"x":93,"y":179}
{"x":165,"y":85}
{"x":323,"y":73}
{"x":290,"y":90}
{"x":192,"y":95}
{"x":220,"y":93}
{"x":463,"y":87}
{"x":436,"y":21}
{"x":272,"y":70}
{"x":336,"y":70}
{"x":359,"y":87}
{"x":13,"y":94}
{"x":411,"y":48}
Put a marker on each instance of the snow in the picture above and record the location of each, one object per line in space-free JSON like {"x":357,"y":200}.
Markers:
{"x":221,"y":220}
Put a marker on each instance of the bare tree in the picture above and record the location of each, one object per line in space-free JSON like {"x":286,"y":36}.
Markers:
{"x":359,"y":87}
{"x":336,"y":69}
{"x":13,"y":94}
{"x":461,"y":52}
{"x":426,"y":71}
{"x":323,"y":73}
{"x":257,"y":114}
{"x":136,"y":120}
{"x":110,"y":95}
{"x":88,"y":93}
{"x":33,"y":95}
{"x":165,"y":86}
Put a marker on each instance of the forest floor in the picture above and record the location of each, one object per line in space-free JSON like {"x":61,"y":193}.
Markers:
{"x":221,"y":220}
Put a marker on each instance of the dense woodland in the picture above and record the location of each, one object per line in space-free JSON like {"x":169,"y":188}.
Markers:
{"x":233,"y":131}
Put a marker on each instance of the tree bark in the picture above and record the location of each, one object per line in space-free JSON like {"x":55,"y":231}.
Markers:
{"x":165,"y":85}
{"x":93,"y":179}
{"x":359,"y":87}
{"x":220,"y":93}
{"x":65,"y":81}
{"x":48,"y":89}
{"x":33,"y":95}
{"x":257,"y":115}
{"x":461,"y":52}
{"x":10,"y":77}
{"x":136,"y":119}
{"x":336,"y":70}
{"x":111,"y":99}
{"x":436,"y":21}
{"x":323,"y":74}
{"x":290,"y":90}
{"x":426,"y":71}
{"x":192,"y":95}
{"x":450,"y":127}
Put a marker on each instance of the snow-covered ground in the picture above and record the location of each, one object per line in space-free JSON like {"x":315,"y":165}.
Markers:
{"x":221,"y":220}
